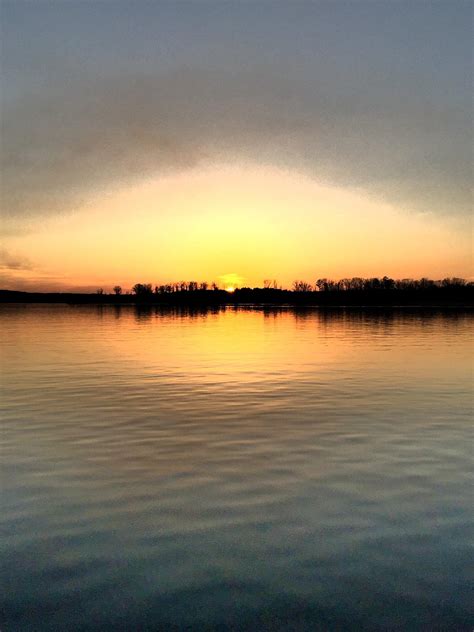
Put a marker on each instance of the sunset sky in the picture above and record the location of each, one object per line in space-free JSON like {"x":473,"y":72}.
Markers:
{"x":234,"y":141}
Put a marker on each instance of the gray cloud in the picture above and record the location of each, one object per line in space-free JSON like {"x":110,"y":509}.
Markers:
{"x":9,"y":261}
{"x":40,"y":283}
{"x":60,"y":146}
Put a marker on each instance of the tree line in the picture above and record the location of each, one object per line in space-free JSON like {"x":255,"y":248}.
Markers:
{"x":147,"y":289}
{"x":375,"y":283}
{"x":353,"y":284}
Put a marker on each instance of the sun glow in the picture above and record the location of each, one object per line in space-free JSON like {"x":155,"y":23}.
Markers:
{"x":202,"y":224}
{"x":230,"y":289}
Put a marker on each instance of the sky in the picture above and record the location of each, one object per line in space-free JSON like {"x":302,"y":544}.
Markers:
{"x":234,"y":141}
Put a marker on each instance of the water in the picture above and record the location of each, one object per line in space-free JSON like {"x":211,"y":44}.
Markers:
{"x":236,"y":469}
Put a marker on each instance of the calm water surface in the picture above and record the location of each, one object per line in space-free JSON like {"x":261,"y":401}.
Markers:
{"x":236,"y":470}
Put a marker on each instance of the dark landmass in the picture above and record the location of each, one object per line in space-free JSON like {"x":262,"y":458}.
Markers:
{"x":348,"y":292}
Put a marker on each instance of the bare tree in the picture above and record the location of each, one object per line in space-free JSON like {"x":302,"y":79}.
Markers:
{"x":117,"y":290}
{"x":301,"y":286}
{"x":270,"y":284}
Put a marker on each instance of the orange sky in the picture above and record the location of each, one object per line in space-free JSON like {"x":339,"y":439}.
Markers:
{"x":235,"y":225}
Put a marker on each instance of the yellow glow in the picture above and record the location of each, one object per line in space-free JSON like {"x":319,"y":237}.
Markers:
{"x":259,"y":222}
{"x":231,"y":280}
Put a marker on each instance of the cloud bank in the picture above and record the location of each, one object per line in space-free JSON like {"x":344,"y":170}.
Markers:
{"x":60,"y":146}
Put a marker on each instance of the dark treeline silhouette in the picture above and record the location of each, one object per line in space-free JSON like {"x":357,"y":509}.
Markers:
{"x":347,"y":291}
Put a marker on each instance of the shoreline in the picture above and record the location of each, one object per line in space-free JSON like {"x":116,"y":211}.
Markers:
{"x":437,"y":298}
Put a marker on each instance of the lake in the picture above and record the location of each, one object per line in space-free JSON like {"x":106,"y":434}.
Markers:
{"x":236,"y":469}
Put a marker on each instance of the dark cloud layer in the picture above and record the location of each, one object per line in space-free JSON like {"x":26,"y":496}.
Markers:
{"x":59,"y":147}
{"x":364,"y":94}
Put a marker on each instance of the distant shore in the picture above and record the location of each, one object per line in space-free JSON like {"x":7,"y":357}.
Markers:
{"x":438,"y":297}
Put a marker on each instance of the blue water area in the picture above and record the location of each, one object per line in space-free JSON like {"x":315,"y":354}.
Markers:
{"x":236,"y":469}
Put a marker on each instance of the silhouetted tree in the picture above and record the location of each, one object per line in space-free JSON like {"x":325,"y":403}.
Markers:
{"x":100,"y":291}
{"x":321,"y":284}
{"x":301,"y":286}
{"x":270,"y":284}
{"x":388,"y":283}
{"x":426,"y":283}
{"x":142,"y":289}
{"x":357,"y":283}
{"x":117,"y":290}
{"x":453,"y":282}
